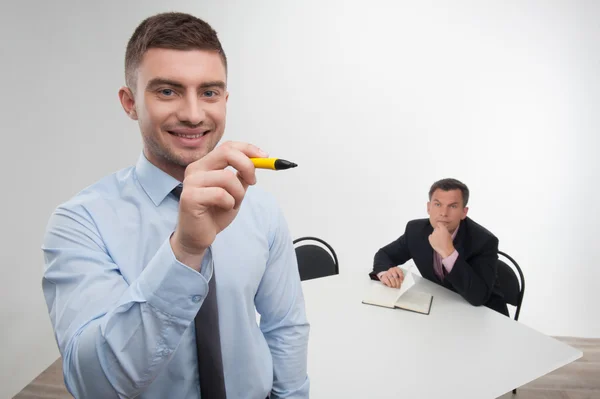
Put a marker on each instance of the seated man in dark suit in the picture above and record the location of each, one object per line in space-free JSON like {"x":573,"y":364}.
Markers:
{"x":449,"y":249}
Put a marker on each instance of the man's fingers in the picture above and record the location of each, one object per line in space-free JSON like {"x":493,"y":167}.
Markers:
{"x":442,"y":227}
{"x":250,"y":150}
{"x":391,"y":280}
{"x":209,"y":196}
{"x":227,"y":156}
{"x":242,"y":181}
{"x":233,"y":154}
{"x":385,"y":280}
{"x":397,"y":272}
{"x":394,"y":279}
{"x":398,"y":276}
{"x":224,"y":179}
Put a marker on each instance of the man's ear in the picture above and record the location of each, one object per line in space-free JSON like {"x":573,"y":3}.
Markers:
{"x":428,"y":207}
{"x":465,"y":211}
{"x":128,"y":102}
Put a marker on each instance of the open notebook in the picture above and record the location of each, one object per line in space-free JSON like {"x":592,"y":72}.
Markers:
{"x":402,"y":298}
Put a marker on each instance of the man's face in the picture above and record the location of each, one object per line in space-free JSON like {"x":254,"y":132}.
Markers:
{"x":180,"y":105}
{"x":446,"y":207}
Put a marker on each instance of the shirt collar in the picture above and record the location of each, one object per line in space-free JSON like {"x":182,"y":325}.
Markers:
{"x":156,"y":183}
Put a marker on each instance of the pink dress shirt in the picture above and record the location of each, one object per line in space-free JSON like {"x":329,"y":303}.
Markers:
{"x":447,"y":263}
{"x":438,"y":262}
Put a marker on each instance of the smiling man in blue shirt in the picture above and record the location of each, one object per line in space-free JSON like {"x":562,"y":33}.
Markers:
{"x":152,"y":269}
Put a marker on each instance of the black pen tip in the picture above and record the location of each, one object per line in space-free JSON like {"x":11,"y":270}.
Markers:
{"x":281,"y":164}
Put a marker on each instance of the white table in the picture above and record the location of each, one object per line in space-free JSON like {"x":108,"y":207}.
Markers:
{"x":457,"y":351}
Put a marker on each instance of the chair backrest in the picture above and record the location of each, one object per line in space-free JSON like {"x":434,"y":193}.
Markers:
{"x":513,"y":287}
{"x":313,"y":260}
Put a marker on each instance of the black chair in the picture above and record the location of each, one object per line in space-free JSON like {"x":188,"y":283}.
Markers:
{"x":314,"y":261}
{"x":512,"y":287}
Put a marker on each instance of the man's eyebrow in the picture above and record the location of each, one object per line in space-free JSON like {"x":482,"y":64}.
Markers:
{"x":153,"y":83}
{"x":217,"y":83}
{"x":452,"y":203}
{"x":162,"y":81}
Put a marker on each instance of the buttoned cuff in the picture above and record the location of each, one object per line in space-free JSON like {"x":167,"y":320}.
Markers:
{"x":449,"y":261}
{"x":172,"y":287}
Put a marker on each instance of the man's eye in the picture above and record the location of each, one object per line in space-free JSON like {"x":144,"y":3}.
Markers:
{"x":209,"y":93}
{"x":167,"y":92}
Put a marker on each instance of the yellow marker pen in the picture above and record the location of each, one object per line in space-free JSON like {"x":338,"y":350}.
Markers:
{"x":272,"y":163}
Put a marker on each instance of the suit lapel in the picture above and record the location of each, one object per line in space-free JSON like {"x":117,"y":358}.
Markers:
{"x":459,"y":240}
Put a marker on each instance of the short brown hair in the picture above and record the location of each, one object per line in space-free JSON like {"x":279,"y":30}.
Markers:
{"x":170,"y":30}
{"x":448,"y":185}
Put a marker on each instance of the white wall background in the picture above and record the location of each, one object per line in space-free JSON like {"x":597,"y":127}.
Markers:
{"x":375,"y":100}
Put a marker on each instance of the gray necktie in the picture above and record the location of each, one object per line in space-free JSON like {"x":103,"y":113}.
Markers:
{"x":208,"y":341}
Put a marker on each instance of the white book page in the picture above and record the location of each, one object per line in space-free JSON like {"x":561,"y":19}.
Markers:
{"x":416,"y":301}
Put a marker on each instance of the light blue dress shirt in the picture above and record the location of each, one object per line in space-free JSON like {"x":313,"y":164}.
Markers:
{"x":123,"y":307}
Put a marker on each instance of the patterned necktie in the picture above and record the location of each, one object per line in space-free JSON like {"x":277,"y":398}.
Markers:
{"x":208,"y":341}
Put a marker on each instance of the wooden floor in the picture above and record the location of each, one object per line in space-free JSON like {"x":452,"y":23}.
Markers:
{"x":578,"y":380}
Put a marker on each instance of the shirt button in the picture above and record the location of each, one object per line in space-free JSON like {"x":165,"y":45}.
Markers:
{"x":196,"y":298}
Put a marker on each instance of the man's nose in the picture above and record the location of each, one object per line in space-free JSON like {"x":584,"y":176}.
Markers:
{"x":192,"y":111}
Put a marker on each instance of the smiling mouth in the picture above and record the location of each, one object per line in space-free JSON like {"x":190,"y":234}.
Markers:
{"x":188,"y":136}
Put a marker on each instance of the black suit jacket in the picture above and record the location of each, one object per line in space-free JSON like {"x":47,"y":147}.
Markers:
{"x":474,"y":273}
